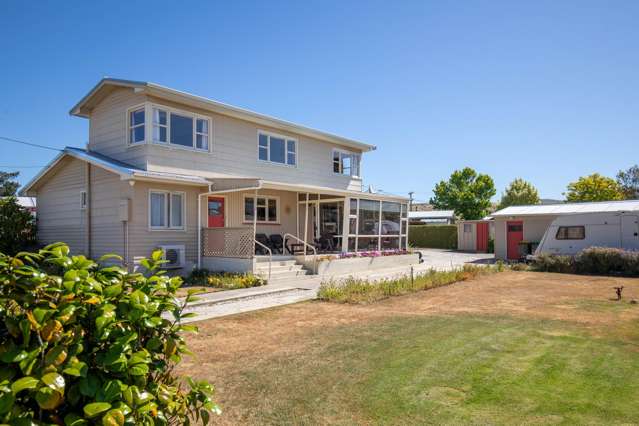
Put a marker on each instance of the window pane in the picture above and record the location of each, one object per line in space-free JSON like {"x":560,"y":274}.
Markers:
{"x":367,"y":244}
{"x":290,"y":145}
{"x":181,"y":130}
{"x":404,"y":210}
{"x":248,"y":209}
{"x":404,"y":226}
{"x":159,"y":116}
{"x":346,"y":164}
{"x":263,"y":140}
{"x":137,"y":134}
{"x":261,"y":213}
{"x":402,"y":243}
{"x":202,"y":142}
{"x":159,"y":134}
{"x":277,"y":150}
{"x":336,"y":162}
{"x":137,"y":117}
{"x":351,"y":244}
{"x":176,"y":210}
{"x":368,"y":217}
{"x":272,"y":210}
{"x":389,"y":243}
{"x":355,"y":165}
{"x":352,"y":226}
{"x":390,"y":218}
{"x":202,"y":126}
{"x":261,"y":202}
{"x":353,"y":206}
{"x":263,"y":153}
{"x":158,"y":210}
{"x":291,"y":159}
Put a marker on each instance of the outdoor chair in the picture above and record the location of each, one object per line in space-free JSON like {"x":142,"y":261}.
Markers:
{"x":277,"y":242}
{"x":262,"y":238}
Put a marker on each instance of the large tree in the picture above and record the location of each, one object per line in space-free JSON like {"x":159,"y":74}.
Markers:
{"x":519,"y":193}
{"x":8,"y":184}
{"x":628,"y":181}
{"x":17,"y":227}
{"x":594,"y":187}
{"x":466,"y":192}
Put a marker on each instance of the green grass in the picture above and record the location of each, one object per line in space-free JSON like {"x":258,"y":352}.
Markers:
{"x":355,"y":290}
{"x":448,"y":370}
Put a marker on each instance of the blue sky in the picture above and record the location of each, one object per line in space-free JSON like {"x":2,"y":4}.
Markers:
{"x":544,"y":90}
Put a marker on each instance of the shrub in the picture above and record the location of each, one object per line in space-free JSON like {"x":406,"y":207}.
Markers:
{"x":353,"y":290}
{"x":224,"y":280}
{"x":607,"y":261}
{"x":84,"y":344}
{"x":554,"y":263}
{"x":17,"y":227}
{"x":433,"y":236}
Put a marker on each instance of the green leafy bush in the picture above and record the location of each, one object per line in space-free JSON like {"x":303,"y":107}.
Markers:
{"x":554,"y":263}
{"x":84,"y":344}
{"x":354,"y":290}
{"x":593,"y":260}
{"x":224,"y":280}
{"x":433,"y":236}
{"x":17,"y":227}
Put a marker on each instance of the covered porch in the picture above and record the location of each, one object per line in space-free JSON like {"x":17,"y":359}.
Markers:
{"x":252,"y":219}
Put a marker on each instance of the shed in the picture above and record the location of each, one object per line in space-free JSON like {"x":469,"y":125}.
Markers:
{"x":517,"y":226}
{"x":473,"y":235}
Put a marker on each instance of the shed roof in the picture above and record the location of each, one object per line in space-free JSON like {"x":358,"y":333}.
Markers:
{"x":432,"y":214}
{"x":569,"y":208}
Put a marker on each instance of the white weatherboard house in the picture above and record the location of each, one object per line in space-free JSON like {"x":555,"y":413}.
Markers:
{"x":566,"y":228}
{"x":208,"y":183}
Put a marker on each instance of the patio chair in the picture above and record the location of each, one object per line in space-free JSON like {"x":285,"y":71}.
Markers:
{"x":262,"y":238}
{"x":277,"y":242}
{"x":325,"y":243}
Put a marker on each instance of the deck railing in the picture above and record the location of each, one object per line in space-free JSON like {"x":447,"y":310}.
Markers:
{"x":228,"y":242}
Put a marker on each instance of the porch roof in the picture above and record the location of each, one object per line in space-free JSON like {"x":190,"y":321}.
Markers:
{"x":330,"y":191}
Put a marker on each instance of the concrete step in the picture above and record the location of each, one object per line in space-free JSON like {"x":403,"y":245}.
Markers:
{"x":286,"y":274}
{"x":276,"y":258}
{"x":278,"y":268}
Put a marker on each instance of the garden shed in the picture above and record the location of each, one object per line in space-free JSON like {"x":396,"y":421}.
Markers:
{"x":474,"y":235}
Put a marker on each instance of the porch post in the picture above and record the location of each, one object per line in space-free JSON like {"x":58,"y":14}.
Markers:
{"x":199,"y":231}
{"x":254,"y":216}
{"x":297,"y":214}
{"x":379,"y":232}
{"x":317,"y":217}
{"x":305,"y":223}
{"x":346,"y":222}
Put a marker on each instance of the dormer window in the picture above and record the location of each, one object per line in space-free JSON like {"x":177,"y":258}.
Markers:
{"x":346,"y":163}
{"x":177,"y":128}
{"x":276,"y":149}
{"x":136,"y":125}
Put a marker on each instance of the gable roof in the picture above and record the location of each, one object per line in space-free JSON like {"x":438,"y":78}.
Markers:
{"x":102,"y":89}
{"x":569,"y":208}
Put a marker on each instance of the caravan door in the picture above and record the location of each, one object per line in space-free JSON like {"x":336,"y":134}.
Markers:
{"x":630,"y":232}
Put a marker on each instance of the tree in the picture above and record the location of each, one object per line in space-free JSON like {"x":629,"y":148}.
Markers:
{"x":466,"y":192}
{"x":519,"y":193}
{"x":8,"y":185}
{"x":17,"y":227}
{"x":594,"y":187}
{"x":628,"y":181}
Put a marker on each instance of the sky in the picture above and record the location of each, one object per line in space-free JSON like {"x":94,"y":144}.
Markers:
{"x":542,"y":90}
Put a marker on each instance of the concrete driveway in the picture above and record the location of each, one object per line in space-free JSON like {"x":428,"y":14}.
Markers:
{"x":448,"y":259}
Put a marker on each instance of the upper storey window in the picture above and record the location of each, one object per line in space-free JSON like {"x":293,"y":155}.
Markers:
{"x":346,"y":163}
{"x":276,"y":149}
{"x":136,"y":125}
{"x":175,"y":128}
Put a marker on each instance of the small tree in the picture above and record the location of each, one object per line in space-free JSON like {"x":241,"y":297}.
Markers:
{"x":628,"y":181}
{"x":17,"y":227}
{"x":519,"y":193}
{"x":8,"y":184}
{"x":594,"y":187}
{"x":466,"y":192}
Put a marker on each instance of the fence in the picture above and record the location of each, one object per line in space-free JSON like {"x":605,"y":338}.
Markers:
{"x":228,"y":242}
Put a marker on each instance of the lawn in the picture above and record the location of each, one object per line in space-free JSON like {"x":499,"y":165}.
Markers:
{"x":515,"y":347}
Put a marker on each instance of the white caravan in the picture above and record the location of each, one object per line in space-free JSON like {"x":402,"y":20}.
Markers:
{"x":569,"y":234}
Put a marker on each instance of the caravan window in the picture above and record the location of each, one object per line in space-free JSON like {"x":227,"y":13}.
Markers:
{"x":571,"y":233}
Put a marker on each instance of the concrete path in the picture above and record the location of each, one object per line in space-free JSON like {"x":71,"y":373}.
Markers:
{"x":222,"y":303}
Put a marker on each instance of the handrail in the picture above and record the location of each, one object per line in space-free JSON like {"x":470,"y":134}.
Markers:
{"x":270,"y":257}
{"x":306,"y":244}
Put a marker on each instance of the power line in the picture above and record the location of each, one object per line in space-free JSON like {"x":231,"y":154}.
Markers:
{"x":30,"y":143}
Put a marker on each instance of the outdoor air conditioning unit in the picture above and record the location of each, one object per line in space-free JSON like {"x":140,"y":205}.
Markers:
{"x":174,"y":255}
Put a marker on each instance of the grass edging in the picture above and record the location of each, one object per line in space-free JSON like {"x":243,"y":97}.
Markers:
{"x":357,"y":290}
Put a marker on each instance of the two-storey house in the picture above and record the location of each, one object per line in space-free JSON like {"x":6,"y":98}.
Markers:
{"x":200,"y":179}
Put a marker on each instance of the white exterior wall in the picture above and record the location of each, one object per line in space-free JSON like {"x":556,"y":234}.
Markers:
{"x":466,"y":241}
{"x":534,"y":229}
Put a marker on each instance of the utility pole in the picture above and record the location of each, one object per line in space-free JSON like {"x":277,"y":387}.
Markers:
{"x":410,"y":201}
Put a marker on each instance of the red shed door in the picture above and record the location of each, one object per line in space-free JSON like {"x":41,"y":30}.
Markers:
{"x":216,"y":212}
{"x":514,"y":234}
{"x":482,"y":237}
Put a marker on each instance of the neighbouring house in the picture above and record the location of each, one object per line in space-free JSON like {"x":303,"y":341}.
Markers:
{"x":432,"y":217}
{"x":474,"y":235}
{"x":28,"y":203}
{"x":519,"y":229}
{"x":208,"y":183}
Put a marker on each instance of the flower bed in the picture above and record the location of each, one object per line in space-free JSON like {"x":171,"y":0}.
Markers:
{"x":223,"y":280}
{"x":338,"y":264}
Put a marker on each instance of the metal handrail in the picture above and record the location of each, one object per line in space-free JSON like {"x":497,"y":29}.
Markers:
{"x":270,"y":257}
{"x":307,"y":244}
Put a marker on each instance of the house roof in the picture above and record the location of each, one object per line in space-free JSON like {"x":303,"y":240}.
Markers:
{"x":26,"y":202}
{"x":432,"y":214}
{"x":102,"y":89}
{"x":221,"y":183}
{"x":569,"y":208}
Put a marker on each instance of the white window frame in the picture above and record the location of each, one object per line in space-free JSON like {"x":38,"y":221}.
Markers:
{"x":129,"y":127}
{"x":167,"y":210}
{"x":83,"y":200}
{"x":345,"y":153}
{"x":267,"y":198}
{"x":269,"y":135}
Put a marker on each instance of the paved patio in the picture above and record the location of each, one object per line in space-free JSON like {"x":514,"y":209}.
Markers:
{"x":231,"y":302}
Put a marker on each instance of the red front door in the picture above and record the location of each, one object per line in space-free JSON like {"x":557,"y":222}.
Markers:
{"x":514,"y":234}
{"x":482,"y":237}
{"x":216,"y":212}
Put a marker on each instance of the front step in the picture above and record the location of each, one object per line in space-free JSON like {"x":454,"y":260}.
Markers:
{"x":281,"y":269}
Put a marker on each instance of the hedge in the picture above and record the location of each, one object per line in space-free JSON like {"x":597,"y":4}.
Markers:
{"x":593,"y":260}
{"x":433,"y":236}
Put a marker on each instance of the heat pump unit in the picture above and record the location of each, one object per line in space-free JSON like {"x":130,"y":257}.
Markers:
{"x":174,"y":255}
